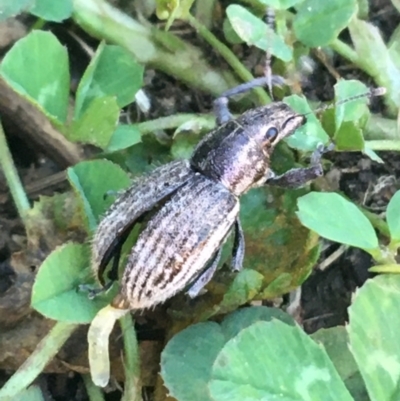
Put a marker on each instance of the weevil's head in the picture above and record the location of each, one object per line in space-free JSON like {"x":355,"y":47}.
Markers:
{"x":269,"y":124}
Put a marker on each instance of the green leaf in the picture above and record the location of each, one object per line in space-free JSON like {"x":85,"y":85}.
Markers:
{"x":183,"y":145}
{"x":274,"y":361}
{"x":235,"y":322}
{"x":230,"y":35}
{"x":12,"y":8}
{"x":350,"y":110}
{"x":257,"y":33}
{"x":336,"y":343}
{"x":376,"y":59}
{"x":55,"y":291}
{"x":246,"y":285}
{"x":112,"y":72}
{"x":318,"y":23}
{"x":280,"y":4}
{"x":27,"y":69}
{"x":335,"y":218}
{"x":308,"y":136}
{"x":374,"y":335}
{"x":92,"y":180}
{"x":143,"y":157}
{"x":192,"y":352}
{"x":51,"y":10}
{"x":393,"y":217}
{"x":97,"y":124}
{"x":124,"y":137}
{"x":349,"y":137}
{"x":277,"y":245}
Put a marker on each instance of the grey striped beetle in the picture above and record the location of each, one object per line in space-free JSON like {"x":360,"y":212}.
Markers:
{"x":192,"y":206}
{"x":180,"y":245}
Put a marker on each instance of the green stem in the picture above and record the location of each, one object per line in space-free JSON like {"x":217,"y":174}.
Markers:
{"x":384,"y":144}
{"x":229,"y":57}
{"x":132,"y":388}
{"x":94,"y":393}
{"x":381,"y":128}
{"x":10,"y":172}
{"x":376,"y":221}
{"x":204,"y":122}
{"x":36,"y":362}
{"x":346,"y":51}
{"x":158,"y":49}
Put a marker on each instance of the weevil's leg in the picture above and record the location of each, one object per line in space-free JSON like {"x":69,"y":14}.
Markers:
{"x":94,"y":292}
{"x":221,"y":109}
{"x":111,"y":192}
{"x":297,"y":177}
{"x":206,"y":276}
{"x":113,"y":252}
{"x":238,"y":247}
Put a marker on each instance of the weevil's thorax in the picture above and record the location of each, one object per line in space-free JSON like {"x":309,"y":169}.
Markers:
{"x":237,"y":153}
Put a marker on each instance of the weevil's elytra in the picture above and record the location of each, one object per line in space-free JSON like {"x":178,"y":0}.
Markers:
{"x":178,"y":242}
{"x":198,"y":208}
{"x":131,"y":205}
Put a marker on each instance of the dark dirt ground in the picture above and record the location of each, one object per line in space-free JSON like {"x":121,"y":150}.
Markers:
{"x":325,"y":296}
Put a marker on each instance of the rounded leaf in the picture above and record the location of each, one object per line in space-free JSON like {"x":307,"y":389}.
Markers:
{"x":274,"y":361}
{"x":111,"y":72}
{"x":55,"y":291}
{"x":192,"y":352}
{"x":318,"y":23}
{"x":51,"y":10}
{"x":374,"y":336}
{"x":93,"y":180}
{"x":44,"y":83}
{"x":333,"y":217}
{"x":190,"y":355}
{"x":256,"y":32}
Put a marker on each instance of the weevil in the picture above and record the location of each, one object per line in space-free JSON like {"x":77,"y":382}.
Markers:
{"x":196,"y":205}
{"x":189,"y":209}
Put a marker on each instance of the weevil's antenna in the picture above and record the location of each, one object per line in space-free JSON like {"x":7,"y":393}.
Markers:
{"x":270,"y":21}
{"x":372,"y":92}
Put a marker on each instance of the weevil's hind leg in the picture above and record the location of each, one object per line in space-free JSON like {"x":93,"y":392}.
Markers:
{"x":221,"y":108}
{"x":238,"y":247}
{"x":114,"y":253}
{"x":205,"y":277}
{"x":297,"y":177}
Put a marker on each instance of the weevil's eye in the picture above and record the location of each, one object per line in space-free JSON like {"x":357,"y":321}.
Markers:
{"x":271,"y":134}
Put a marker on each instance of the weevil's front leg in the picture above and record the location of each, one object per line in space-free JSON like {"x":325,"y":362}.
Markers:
{"x":238,"y":247}
{"x":298,"y":177}
{"x":206,"y":276}
{"x":221,"y":108}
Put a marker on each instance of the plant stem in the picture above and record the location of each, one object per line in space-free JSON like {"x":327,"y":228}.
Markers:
{"x":229,"y":57}
{"x":158,"y":49}
{"x":14,"y":183}
{"x":132,"y":389}
{"x":376,"y":221}
{"x":384,"y":144}
{"x":36,"y":362}
{"x":346,"y":51}
{"x":94,"y":393}
{"x":204,"y":122}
